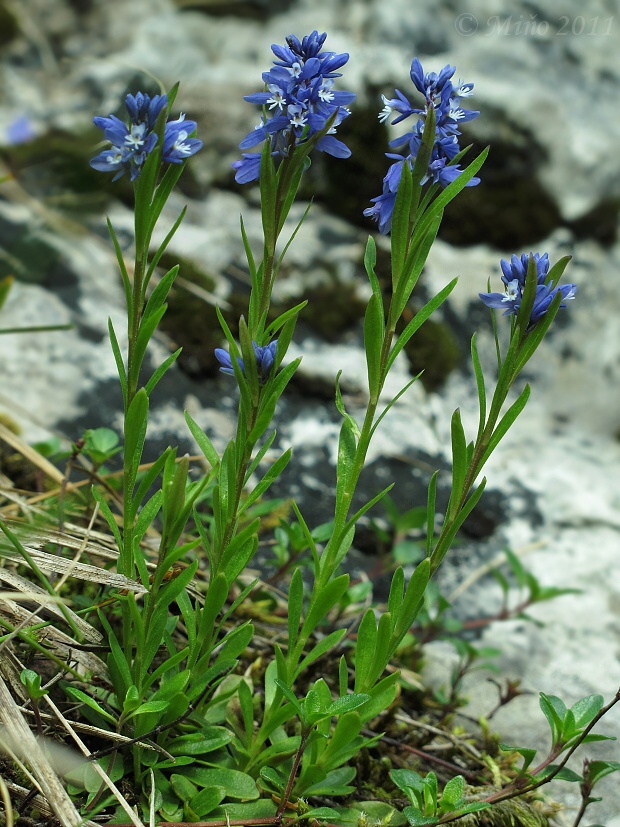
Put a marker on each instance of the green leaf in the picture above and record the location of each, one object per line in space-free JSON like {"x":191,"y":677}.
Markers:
{"x":145,"y":334}
{"x":148,"y":707}
{"x":482,"y":400}
{"x":117,"y":663}
{"x":452,"y":190}
{"x":207,"y":800}
{"x":452,"y":793}
{"x":161,"y":370}
{"x":459,"y":464}
{"x":158,"y":296}
{"x":272,"y":474}
{"x":416,"y":817}
{"x":106,"y":513}
{"x":135,"y":432}
{"x":322,"y":602}
{"x":528,"y":754}
{"x":392,"y":402}
{"x":563,"y":774}
{"x":374,"y":331}
{"x":414,"y":264}
{"x":382,"y":695}
{"x":599,"y":769}
{"x":162,"y":248}
{"x":347,"y":446}
{"x":204,"y":443}
{"x":346,"y":704}
{"x":365,"y":649}
{"x":430,"y":512}
{"x":236,"y":784}
{"x":288,"y":315}
{"x":78,"y":695}
{"x":295,"y":605}
{"x":235,"y":642}
{"x":586,"y":709}
{"x":360,"y":513}
{"x":6,"y":283}
{"x":248,"y":254}
{"x":418,"y":320}
{"x":147,"y":481}
{"x":183,"y":787}
{"x":370,"y":261}
{"x":412,"y":602}
{"x":401,"y":220}
{"x":290,"y":696}
{"x":118,"y":358}
{"x":278,"y":383}
{"x":324,"y":645}
{"x":554,"y":711}
{"x":124,"y":275}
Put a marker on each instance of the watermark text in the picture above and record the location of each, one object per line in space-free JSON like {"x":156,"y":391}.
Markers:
{"x":521,"y":25}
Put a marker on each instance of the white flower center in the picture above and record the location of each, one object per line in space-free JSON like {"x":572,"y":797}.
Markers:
{"x":511,"y":293}
{"x":135,"y":139}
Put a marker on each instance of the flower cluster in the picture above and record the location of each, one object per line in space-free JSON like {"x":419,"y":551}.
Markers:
{"x":265,"y":356}
{"x":444,"y":97}
{"x":131,"y":144}
{"x":299,"y":102}
{"x":514,"y":273}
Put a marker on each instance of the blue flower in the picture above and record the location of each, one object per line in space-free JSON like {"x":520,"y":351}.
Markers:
{"x":298,"y":102}
{"x":265,"y":356}
{"x":178,"y":146}
{"x":131,"y":144}
{"x":514,"y":273}
{"x":444,"y":97}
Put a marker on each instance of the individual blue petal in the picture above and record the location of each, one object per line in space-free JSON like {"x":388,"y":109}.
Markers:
{"x":223,"y":357}
{"x":110,"y":160}
{"x":332,"y":146}
{"x":248,"y":169}
{"x":252,"y":138}
{"x":496,"y":300}
{"x":178,"y":145}
{"x":265,"y":357}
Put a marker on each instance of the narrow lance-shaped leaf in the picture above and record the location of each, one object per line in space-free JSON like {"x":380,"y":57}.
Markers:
{"x":482,"y":400}
{"x":374,"y":330}
{"x":459,"y":463}
{"x":400,"y":224}
{"x":346,"y":456}
{"x":418,"y":320}
{"x":430,"y":512}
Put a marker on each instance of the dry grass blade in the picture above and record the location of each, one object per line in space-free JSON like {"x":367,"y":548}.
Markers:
{"x":49,"y":783}
{"x":37,"y":802}
{"x":30,"y":454}
{"x":81,"y":571}
{"x":36,"y":594}
{"x":54,"y":638}
{"x":104,"y":777}
{"x":6,"y":800}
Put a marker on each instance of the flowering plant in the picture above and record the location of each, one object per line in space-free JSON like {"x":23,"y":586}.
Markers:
{"x":204,"y":732}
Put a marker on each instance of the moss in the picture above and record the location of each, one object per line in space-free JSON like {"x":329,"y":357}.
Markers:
{"x":331,"y":309}
{"x":600,"y":223}
{"x":512,"y":813}
{"x":192,"y":323}
{"x":251,"y":9}
{"x":55,"y":165}
{"x":8,"y":25}
{"x":509,"y":209}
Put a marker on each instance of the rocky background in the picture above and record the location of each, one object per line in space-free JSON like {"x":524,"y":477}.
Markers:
{"x":546,"y":81}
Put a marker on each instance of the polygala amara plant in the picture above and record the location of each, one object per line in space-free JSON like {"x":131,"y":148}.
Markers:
{"x":208,"y":738}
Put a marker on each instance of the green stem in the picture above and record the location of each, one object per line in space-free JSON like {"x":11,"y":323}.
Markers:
{"x":231,"y":524}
